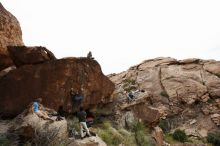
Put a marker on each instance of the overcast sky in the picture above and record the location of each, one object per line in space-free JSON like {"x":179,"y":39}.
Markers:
{"x":121,"y":33}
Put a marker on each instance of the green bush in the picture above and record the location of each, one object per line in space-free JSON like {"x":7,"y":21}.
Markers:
{"x":164,"y":94}
{"x":168,"y":137}
{"x":109,"y":135}
{"x":210,"y":100}
{"x":113,"y":137}
{"x":73,"y":123}
{"x":128,"y":137}
{"x":180,"y":135}
{"x":164,"y":125}
{"x":214,"y":138}
{"x":4,"y":141}
{"x":142,"y":135}
{"x":130,"y":81}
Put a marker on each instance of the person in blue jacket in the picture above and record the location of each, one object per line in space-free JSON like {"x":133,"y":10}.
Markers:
{"x":37,"y":109}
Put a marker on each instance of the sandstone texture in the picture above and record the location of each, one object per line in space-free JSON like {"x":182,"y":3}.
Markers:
{"x":91,"y":141}
{"x":185,"y":93}
{"x":52,"y":82}
{"x":10,"y":35}
{"x":5,"y":61}
{"x":157,"y":134}
{"x":27,"y":73}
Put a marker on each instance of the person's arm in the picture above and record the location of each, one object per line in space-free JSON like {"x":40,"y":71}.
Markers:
{"x":85,"y":114}
{"x":31,"y":108}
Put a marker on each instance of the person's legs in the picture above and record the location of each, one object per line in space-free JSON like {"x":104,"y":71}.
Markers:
{"x":43,"y":115}
{"x":81,"y":130}
{"x":85,"y":127}
{"x":129,"y":99}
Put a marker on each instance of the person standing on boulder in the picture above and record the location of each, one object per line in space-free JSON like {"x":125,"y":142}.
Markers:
{"x":82,"y":120}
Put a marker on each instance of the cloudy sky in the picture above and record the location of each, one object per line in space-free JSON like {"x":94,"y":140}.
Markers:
{"x":121,"y":33}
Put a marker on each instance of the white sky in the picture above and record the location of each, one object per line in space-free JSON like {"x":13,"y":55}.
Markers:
{"x":121,"y":33}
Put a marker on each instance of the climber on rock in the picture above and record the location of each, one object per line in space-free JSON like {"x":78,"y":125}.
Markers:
{"x":77,"y":99}
{"x":132,"y":95}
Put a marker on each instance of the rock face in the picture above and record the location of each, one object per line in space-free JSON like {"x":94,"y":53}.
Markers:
{"x":10,"y":35}
{"x":22,"y":55}
{"x":10,"y":31}
{"x":5,"y":61}
{"x":181,"y":91}
{"x":52,"y":82}
{"x":157,"y":134}
{"x":91,"y":141}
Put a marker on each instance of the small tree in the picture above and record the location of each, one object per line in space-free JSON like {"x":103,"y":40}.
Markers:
{"x":214,"y":138}
{"x":164,"y":125}
{"x":180,"y":135}
{"x":141,"y":135}
{"x":164,"y":94}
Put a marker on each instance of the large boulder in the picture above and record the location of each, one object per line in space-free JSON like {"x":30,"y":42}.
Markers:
{"x":183,"y":82}
{"x":29,"y":127}
{"x":147,"y":114}
{"x":22,"y":55}
{"x":10,"y":34}
{"x":52,"y":82}
{"x":91,"y":141}
{"x":5,"y":61}
{"x":10,"y":30}
{"x":157,"y":134}
{"x":213,"y":67}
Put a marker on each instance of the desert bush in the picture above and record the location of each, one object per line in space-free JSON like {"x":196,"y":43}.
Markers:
{"x":210,"y":100}
{"x":142,"y":135}
{"x":109,"y":135}
{"x":164,"y":125}
{"x":139,"y":136}
{"x":73,"y":123}
{"x":128,"y":137}
{"x":48,"y":136}
{"x":214,"y":138}
{"x":9,"y":139}
{"x":130,"y":81}
{"x":180,"y":135}
{"x":4,"y":141}
{"x":168,"y":137}
{"x":164,"y":94}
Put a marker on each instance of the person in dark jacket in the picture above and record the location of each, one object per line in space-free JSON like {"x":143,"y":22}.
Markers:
{"x":82,"y":120}
{"x":77,"y":99}
{"x":60,"y":113}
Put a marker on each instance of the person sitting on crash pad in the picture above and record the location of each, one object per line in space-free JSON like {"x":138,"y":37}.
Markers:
{"x":37,"y":108}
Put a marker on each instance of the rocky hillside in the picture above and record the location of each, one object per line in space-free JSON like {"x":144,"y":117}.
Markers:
{"x":185,"y":93}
